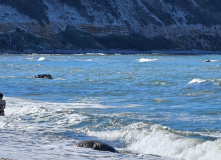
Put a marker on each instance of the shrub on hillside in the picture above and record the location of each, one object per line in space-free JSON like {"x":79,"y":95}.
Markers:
{"x":73,"y":38}
{"x":35,"y":9}
{"x":80,"y":7}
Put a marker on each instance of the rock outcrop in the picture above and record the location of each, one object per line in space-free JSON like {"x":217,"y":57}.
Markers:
{"x":44,"y":76}
{"x":96,"y":145}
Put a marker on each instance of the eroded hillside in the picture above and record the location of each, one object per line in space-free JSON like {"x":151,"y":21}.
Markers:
{"x":110,"y":24}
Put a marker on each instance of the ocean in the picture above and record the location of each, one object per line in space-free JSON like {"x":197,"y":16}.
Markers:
{"x":147,"y":106}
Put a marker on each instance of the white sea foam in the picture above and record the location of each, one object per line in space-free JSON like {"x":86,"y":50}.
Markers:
{"x":30,"y":58}
{"x":61,"y":79}
{"x":29,"y":131}
{"x":214,"y":60}
{"x":99,"y":54}
{"x":7,"y":76}
{"x":146,"y":60}
{"x":38,"y":111}
{"x":89,"y":60}
{"x":170,"y":145}
{"x":163,"y":141}
{"x":20,"y":113}
{"x":197,"y":80}
{"x":42,"y":59}
{"x":211,"y":60}
{"x":205,"y":84}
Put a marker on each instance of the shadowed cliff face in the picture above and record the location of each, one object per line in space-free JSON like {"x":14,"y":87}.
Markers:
{"x":189,"y":24}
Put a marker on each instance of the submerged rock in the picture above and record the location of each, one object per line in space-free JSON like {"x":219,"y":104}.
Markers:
{"x":96,"y":145}
{"x":45,"y":76}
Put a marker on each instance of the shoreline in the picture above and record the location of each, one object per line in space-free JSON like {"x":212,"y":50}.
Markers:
{"x":113,"y":51}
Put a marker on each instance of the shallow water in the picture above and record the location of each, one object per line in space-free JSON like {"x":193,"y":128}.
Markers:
{"x":146,"y":106}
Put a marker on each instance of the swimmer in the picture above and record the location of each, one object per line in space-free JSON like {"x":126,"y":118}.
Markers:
{"x":2,"y":105}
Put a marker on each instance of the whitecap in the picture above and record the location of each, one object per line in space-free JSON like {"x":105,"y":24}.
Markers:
{"x":168,"y":144}
{"x":42,"y":59}
{"x":214,"y":60}
{"x":146,"y":60}
{"x":155,"y":139}
{"x":21,"y":112}
{"x":99,"y":54}
{"x":61,"y":79}
{"x":210,"y":61}
{"x":29,"y":58}
{"x":90,"y":54}
{"x":88,"y":60}
{"x":196,"y":81}
{"x":161,"y":100}
{"x":7,"y":76}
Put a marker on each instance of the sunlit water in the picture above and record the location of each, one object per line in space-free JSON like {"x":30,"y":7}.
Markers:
{"x":146,"y":106}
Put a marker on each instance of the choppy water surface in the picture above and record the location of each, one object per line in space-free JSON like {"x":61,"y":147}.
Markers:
{"x":146,"y":106}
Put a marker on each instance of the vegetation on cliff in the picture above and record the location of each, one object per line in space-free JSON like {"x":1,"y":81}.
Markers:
{"x":73,"y":38}
{"x":197,"y":11}
{"x":35,"y":9}
{"x":21,"y":39}
{"x":203,"y":11}
{"x":77,"y":4}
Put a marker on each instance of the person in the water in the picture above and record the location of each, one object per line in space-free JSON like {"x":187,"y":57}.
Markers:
{"x":2,"y":105}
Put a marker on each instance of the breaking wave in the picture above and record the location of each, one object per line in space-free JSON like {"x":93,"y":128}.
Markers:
{"x":146,"y":60}
{"x":154,"y":139}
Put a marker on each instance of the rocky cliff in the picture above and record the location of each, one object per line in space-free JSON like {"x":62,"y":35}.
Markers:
{"x":110,"y":24}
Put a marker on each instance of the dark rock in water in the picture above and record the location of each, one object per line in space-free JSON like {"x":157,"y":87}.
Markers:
{"x":208,"y":60}
{"x":45,"y":76}
{"x":96,"y":145}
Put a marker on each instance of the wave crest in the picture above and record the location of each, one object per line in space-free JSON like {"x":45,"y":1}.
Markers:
{"x":155,"y":139}
{"x":197,"y":80}
{"x":146,"y":60}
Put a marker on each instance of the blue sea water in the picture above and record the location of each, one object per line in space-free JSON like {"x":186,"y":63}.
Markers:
{"x":154,"y":106}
